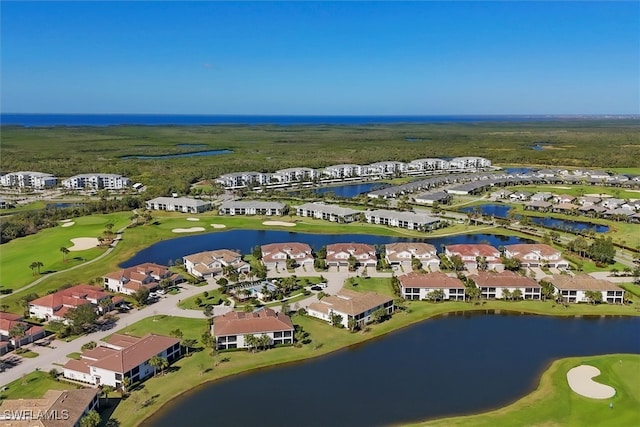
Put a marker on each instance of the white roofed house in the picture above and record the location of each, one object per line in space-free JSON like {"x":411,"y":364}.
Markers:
{"x":418,"y":286}
{"x":348,"y":304}
{"x":178,"y":204}
{"x":252,"y":207}
{"x":294,"y":175}
{"x":536,"y":255}
{"x":28,"y":179}
{"x":338,"y":254}
{"x":331,"y":213}
{"x":275,"y":255}
{"x":408,"y":220}
{"x":342,"y":171}
{"x":403,"y":253}
{"x":503,"y":285}
{"x":211,"y":263}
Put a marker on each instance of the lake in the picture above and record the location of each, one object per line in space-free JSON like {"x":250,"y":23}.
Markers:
{"x":244,"y":240}
{"x":177,"y":156}
{"x":501,"y":210}
{"x":452,"y":365}
{"x":351,"y":190}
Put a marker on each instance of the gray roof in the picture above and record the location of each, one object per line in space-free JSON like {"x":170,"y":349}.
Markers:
{"x":244,"y":204}
{"x":183,"y":201}
{"x":330,"y":209}
{"x":403,"y":216}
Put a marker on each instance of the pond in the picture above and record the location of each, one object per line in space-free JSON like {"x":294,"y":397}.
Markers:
{"x":523,"y":171}
{"x":181,"y":155}
{"x":350,"y":190}
{"x":452,"y":365}
{"x":62,"y":205}
{"x":501,"y":211}
{"x":244,"y":241}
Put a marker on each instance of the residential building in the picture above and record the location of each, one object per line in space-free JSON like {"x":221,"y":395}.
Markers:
{"x":294,"y":175}
{"x":148,"y":275}
{"x":244,"y":179}
{"x":441,"y":197}
{"x":57,"y":408}
{"x":338,"y":254}
{"x":348,"y":304}
{"x":3,"y":203}
{"x":426,"y":165}
{"x":96,"y":181}
{"x":536,"y":255}
{"x":472,"y":255}
{"x":493,"y":285}
{"x":540,"y":206}
{"x":541,"y":197}
{"x":122,"y":356}
{"x":230,"y":329}
{"x":54,"y":306}
{"x":331,"y":213}
{"x":563,"y":198}
{"x":342,"y":171}
{"x":408,"y":220}
{"x":251,"y":207}
{"x":275,"y":255}
{"x":520,"y":196}
{"x":211,"y":263}
{"x":28,"y":179}
{"x":469,"y":163}
{"x":403,"y":253}
{"x":178,"y":204}
{"x":574,"y":288}
{"x":7,"y":322}
{"x":418,"y":286}
{"x":386,"y":168}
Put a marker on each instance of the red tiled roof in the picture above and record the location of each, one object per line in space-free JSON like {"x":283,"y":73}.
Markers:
{"x":293,"y":249}
{"x":259,"y":322}
{"x":505,"y":279}
{"x":435,"y":280}
{"x":73,"y":296}
{"x":413,"y":247}
{"x":135,"y":354}
{"x":467,"y":250}
{"x":10,"y":316}
{"x":139,"y":272}
{"x":581,"y":282}
{"x":350,"y":302}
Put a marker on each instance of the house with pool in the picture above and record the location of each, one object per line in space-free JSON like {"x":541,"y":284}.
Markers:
{"x":275,"y":255}
{"x":209,"y":264}
{"x":403,"y":254}
{"x":230,"y":329}
{"x":418,"y":286}
{"x":119,"y":357}
{"x":574,"y":288}
{"x":348,"y":304}
{"x":493,"y":285}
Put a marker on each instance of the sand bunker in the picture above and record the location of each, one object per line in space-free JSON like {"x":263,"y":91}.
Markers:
{"x":218,"y":226}
{"x":602,"y":196}
{"x":193,"y":219}
{"x":68,"y":224}
{"x":188,"y":230}
{"x":83,"y":243}
{"x":580,"y":380}
{"x":66,"y":220}
{"x":281,"y":223}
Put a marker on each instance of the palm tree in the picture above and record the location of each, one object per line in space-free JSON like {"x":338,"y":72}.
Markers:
{"x":155,"y":363}
{"x":38,"y":265}
{"x":33,"y":266}
{"x":64,"y":251}
{"x":18,"y":331}
{"x":187,"y":343}
{"x":126,"y":382}
{"x":163,"y":364}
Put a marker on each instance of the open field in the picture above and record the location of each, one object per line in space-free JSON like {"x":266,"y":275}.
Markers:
{"x":381,"y":285}
{"x":553,"y":403}
{"x":65,"y":151}
{"x":45,"y":245}
{"x":37,"y":384}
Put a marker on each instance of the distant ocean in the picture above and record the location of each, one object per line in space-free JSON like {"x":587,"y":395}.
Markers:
{"x":30,"y":120}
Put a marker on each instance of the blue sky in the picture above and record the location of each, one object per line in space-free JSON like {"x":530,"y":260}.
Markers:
{"x":325,"y":58}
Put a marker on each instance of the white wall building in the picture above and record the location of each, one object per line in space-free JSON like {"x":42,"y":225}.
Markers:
{"x":403,"y":253}
{"x":37,"y":180}
{"x":418,"y":286}
{"x":351,"y":305}
{"x":178,"y":204}
{"x":94,"y":181}
{"x":230,"y":329}
{"x":251,"y":207}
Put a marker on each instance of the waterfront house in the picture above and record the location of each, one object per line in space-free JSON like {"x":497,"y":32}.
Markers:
{"x":178,"y":204}
{"x":275,"y":255}
{"x":428,"y":165}
{"x":230,"y":329}
{"x":469,"y":163}
{"x":387,"y":168}
{"x":612,"y":203}
{"x":564,"y":208}
{"x":408,"y":220}
{"x":520,"y":196}
{"x":148,"y":275}
{"x":472,"y":254}
{"x":96,"y":181}
{"x":338,"y":254}
{"x":252,"y":207}
{"x":541,"y":197}
{"x":574,"y":288}
{"x":121,"y":356}
{"x":441,"y":197}
{"x":290,"y":175}
{"x":539,"y":206}
{"x":536,"y":255}
{"x":331,"y":213}
{"x":493,"y":285}
{"x":54,"y":306}
{"x":403,"y":253}
{"x":418,"y":286}
{"x":56,"y":408}
{"x":342,"y":171}
{"x":28,"y":179}
{"x":501,"y":194}
{"x":211,"y":263}
{"x":349,"y":304}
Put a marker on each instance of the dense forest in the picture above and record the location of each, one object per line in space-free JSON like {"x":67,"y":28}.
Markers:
{"x":65,"y":151}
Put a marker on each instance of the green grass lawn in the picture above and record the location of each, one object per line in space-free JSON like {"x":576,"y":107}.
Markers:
{"x":381,"y":285}
{"x":75,"y":355}
{"x":37,"y":384}
{"x":212,"y":299}
{"x":45,"y":245}
{"x":29,"y":354}
{"x":553,"y":403}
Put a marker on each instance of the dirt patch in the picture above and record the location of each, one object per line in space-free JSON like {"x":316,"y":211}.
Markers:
{"x":581,"y":381}
{"x":280,"y":223}
{"x":188,"y":230}
{"x":83,"y":243}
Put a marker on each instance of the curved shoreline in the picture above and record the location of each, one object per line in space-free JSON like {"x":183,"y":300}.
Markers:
{"x":167,"y":402}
